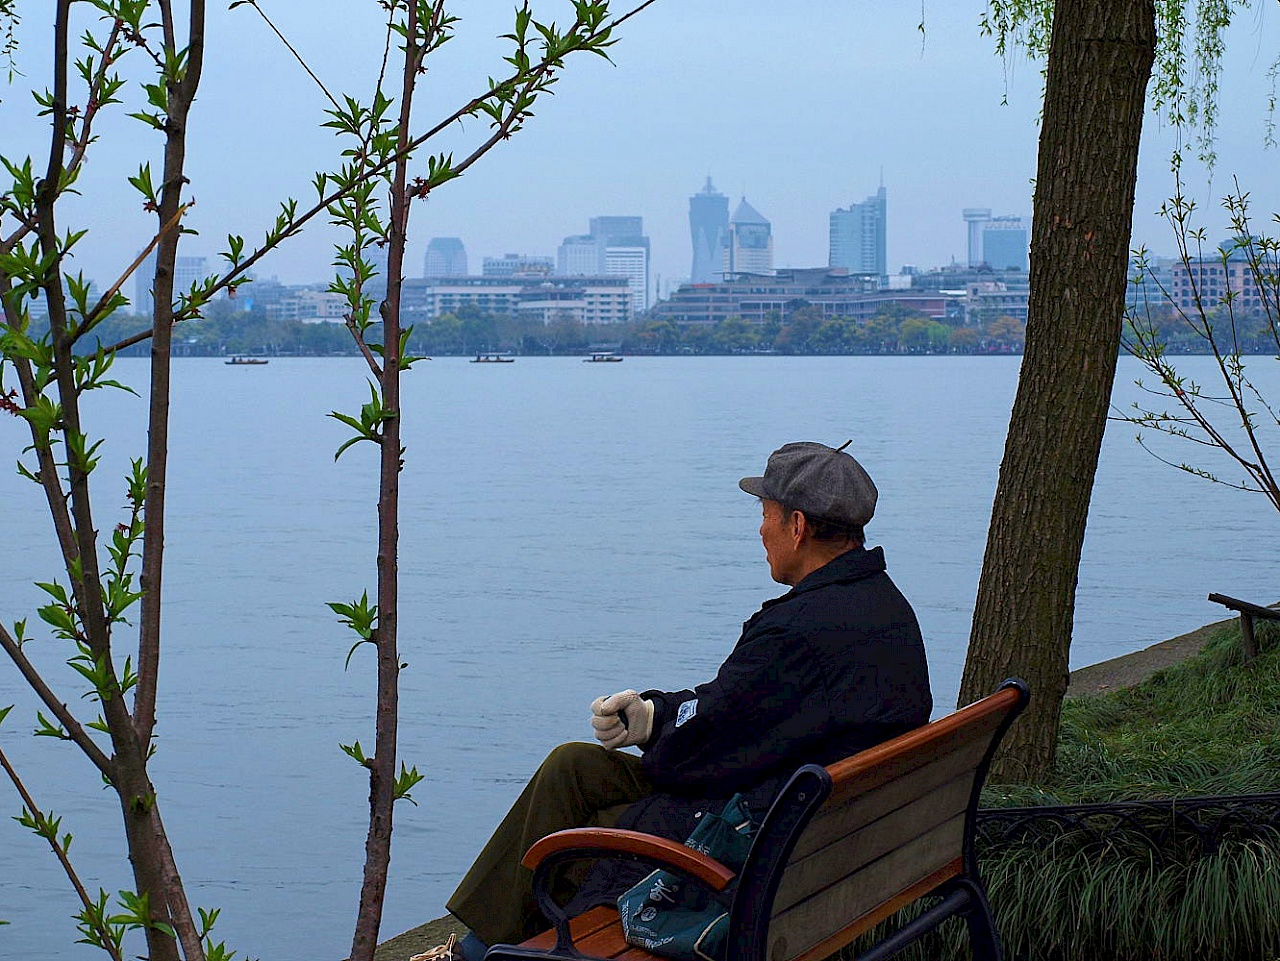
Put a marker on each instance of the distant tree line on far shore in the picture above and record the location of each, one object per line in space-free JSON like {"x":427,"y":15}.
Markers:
{"x":227,"y":329}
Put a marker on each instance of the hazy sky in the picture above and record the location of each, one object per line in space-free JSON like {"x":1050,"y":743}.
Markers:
{"x":802,"y":111}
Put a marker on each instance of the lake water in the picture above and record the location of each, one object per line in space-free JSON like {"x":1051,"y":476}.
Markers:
{"x":568,"y":530}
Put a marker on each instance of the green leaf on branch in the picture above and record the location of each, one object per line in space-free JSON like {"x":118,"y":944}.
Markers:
{"x":356,"y":753}
{"x":80,"y":453}
{"x":408,"y":779}
{"x":235,"y":249}
{"x":136,"y":914}
{"x":142,"y":183}
{"x":45,"y":415}
{"x":207,"y":920}
{"x":46,"y":728}
{"x":372,"y":416}
{"x":93,"y":925}
{"x":60,"y":619}
{"x":361,"y":617}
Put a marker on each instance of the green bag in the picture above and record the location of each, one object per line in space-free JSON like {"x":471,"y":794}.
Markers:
{"x":673,"y":916}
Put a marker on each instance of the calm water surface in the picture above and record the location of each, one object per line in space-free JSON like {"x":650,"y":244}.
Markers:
{"x":568,"y":530}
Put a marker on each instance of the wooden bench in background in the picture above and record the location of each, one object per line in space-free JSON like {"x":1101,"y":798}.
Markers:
{"x":841,"y":849}
{"x":1247,"y":612}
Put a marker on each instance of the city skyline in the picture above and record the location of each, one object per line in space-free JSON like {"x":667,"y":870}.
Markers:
{"x":746,"y":95}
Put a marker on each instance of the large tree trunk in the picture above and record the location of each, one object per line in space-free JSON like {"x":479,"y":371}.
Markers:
{"x":1100,"y":59}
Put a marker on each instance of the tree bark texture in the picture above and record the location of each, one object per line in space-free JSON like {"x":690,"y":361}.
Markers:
{"x":1100,"y":58}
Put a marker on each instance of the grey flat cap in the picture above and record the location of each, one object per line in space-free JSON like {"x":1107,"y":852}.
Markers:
{"x":823,"y":482}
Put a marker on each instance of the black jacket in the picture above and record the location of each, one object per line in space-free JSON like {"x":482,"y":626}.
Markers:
{"x":833,"y":666}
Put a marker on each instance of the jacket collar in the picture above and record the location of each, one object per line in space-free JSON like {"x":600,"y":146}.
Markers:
{"x":850,"y":566}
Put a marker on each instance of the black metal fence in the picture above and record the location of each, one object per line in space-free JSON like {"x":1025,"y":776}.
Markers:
{"x":1164,"y":825}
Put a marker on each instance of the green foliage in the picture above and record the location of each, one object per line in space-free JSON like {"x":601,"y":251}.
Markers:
{"x":368,"y":425}
{"x":227,"y":328}
{"x":361,"y":617}
{"x":1205,"y":726}
{"x":9,"y":21}
{"x":405,"y":782}
{"x":1078,"y":898}
{"x":1189,"y":51}
{"x":356,"y":753}
{"x":92,"y":921}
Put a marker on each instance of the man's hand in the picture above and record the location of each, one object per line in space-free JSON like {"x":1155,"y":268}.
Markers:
{"x":622,"y":720}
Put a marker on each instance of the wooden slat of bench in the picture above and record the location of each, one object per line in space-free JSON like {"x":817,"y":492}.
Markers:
{"x":846,"y":935}
{"x":895,"y":758}
{"x":597,"y":933}
{"x":584,"y":925}
{"x":850,"y":810}
{"x":856,"y":849}
{"x":606,"y":943}
{"x":795,"y":930}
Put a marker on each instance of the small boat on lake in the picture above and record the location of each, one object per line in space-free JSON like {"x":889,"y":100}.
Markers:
{"x":493,"y":359}
{"x":246,"y":361}
{"x":602,"y":357}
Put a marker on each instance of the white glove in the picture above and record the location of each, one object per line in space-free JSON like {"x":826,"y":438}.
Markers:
{"x":622,"y":720}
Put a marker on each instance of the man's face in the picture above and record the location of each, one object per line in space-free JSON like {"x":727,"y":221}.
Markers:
{"x":779,"y":542}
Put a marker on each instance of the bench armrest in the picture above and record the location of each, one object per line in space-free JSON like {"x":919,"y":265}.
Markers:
{"x":576,"y":844}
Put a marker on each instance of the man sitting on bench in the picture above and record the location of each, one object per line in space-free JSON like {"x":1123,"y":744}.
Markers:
{"x":834,"y":666}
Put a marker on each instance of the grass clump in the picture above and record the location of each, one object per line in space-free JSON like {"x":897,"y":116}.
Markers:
{"x":1210,"y":725}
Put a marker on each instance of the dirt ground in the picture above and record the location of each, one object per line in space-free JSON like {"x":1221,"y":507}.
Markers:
{"x":1130,"y":669}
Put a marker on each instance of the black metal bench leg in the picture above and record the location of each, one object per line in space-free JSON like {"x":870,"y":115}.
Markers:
{"x":981,"y":924}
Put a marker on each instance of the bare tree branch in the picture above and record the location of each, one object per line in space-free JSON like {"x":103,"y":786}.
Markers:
{"x":91,"y":915}
{"x":57,"y":707}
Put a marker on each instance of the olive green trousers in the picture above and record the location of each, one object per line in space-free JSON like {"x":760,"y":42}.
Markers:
{"x":578,"y":785}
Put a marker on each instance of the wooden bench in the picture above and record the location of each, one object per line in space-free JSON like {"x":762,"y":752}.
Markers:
{"x":1247,"y":612}
{"x":841,"y":849}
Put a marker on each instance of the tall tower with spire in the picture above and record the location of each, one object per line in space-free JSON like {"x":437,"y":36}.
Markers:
{"x":709,"y":229}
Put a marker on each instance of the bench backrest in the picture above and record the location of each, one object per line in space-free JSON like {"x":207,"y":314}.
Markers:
{"x":847,"y":846}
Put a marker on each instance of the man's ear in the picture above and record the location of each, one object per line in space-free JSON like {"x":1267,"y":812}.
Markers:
{"x":799,"y":527}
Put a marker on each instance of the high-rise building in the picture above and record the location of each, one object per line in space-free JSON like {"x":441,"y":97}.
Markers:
{"x":975,"y":217}
{"x":186,"y":271}
{"x":446,"y":257}
{"x":749,"y":247}
{"x":617,"y":231}
{"x":1004,"y":243}
{"x":580,"y":256}
{"x":709,"y":228}
{"x":997,"y":242}
{"x":615,"y":247}
{"x":858,"y":236}
{"x":632,"y":263}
